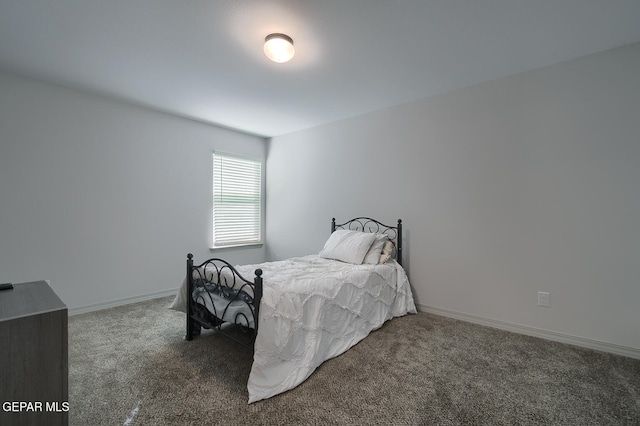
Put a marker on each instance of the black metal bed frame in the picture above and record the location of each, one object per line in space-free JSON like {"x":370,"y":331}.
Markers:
{"x":217,"y":276}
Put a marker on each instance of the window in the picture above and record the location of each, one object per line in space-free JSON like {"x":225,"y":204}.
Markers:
{"x":237,"y":200}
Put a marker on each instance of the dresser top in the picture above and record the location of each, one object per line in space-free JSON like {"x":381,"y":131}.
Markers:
{"x":28,"y":299}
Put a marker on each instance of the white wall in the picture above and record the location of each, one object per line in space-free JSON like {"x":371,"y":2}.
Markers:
{"x":104,"y":198}
{"x":529,"y":183}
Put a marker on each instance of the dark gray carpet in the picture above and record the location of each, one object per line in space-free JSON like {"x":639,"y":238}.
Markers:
{"x":130,"y":365}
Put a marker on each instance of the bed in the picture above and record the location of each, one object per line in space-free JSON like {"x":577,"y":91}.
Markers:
{"x":299,"y":312}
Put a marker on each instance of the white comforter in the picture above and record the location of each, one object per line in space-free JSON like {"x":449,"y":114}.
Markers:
{"x":314,"y":309}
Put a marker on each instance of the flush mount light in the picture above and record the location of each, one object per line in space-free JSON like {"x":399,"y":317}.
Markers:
{"x":278,"y":47}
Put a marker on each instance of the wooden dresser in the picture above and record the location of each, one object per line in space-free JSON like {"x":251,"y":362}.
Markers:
{"x":33,"y":356}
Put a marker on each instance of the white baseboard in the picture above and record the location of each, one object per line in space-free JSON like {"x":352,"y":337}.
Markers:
{"x":119,"y":302}
{"x":536,"y":332}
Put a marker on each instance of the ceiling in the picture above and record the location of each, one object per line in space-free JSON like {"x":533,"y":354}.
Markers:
{"x":203,"y":59}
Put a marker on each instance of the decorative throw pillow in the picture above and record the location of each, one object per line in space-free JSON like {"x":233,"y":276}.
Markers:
{"x":348,"y":246}
{"x":387,"y":251}
{"x":373,"y":255}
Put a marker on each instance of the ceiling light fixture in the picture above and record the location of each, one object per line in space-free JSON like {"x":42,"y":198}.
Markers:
{"x":278,"y":47}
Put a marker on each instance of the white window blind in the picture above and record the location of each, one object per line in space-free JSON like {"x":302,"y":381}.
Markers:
{"x":237,"y":200}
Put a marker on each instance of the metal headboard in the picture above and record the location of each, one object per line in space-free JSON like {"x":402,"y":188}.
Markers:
{"x":366,"y":224}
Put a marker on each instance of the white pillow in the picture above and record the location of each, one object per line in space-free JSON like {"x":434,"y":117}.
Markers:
{"x":373,"y":255}
{"x":348,"y":246}
{"x":387,"y":251}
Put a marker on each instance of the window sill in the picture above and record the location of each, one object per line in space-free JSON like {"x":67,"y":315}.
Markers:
{"x":236,"y":247}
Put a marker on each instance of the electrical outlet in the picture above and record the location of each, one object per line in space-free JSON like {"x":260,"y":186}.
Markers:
{"x":543,"y":298}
